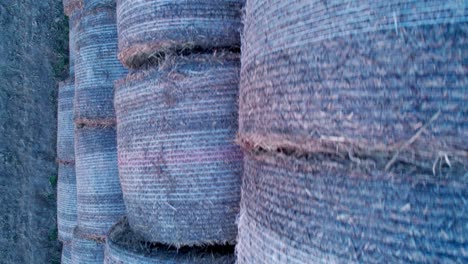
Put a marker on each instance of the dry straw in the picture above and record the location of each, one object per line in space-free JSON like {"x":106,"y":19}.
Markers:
{"x":323,"y":209}
{"x":65,"y":126}
{"x":66,"y":202}
{"x":179,"y":167}
{"x":97,"y":66}
{"x":99,"y":195}
{"x":147,"y":28}
{"x":70,"y":6}
{"x":66,"y":253}
{"x":356,"y":76}
{"x":124,"y":247}
{"x":86,"y":251}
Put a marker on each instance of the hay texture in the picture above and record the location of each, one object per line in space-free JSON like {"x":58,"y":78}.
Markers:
{"x":97,"y":66}
{"x":94,"y":4}
{"x":66,"y":253}
{"x":150,"y":27}
{"x":72,"y":25}
{"x":356,"y":76}
{"x":86,"y":251}
{"x":99,"y":199}
{"x":70,"y":6}
{"x":179,"y":166}
{"x":66,"y":202}
{"x":65,"y":126}
{"x":323,"y":210}
{"x":124,"y":247}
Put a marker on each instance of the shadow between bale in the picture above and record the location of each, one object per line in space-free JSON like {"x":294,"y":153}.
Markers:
{"x":179,"y":166}
{"x":125,"y":247}
{"x":149,"y":28}
{"x":323,"y":209}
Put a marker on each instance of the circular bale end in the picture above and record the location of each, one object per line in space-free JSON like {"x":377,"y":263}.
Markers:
{"x":147,"y":28}
{"x":179,"y":167}
{"x":85,"y":250}
{"x":97,"y":66}
{"x":65,"y":126}
{"x":66,"y":202}
{"x":66,"y":253}
{"x":125,"y":247}
{"x":70,"y":6}
{"x":99,"y":196}
{"x":361,"y":75}
{"x":315,"y":209}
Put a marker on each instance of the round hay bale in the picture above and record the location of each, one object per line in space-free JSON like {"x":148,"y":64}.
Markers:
{"x":73,"y":23}
{"x":179,"y":166}
{"x":322,"y":210}
{"x":99,"y":196}
{"x":97,"y":66}
{"x":86,"y":251}
{"x":69,"y":6}
{"x":357,"y":76}
{"x":125,"y":247}
{"x":66,"y":202}
{"x":66,"y":253}
{"x":93,"y":4}
{"x":65,"y":126}
{"x":158,"y":26}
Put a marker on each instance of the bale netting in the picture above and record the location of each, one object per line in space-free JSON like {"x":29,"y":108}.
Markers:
{"x":97,"y":66}
{"x":179,"y":166}
{"x":125,"y":247}
{"x":99,"y":196}
{"x":66,"y":253}
{"x":325,"y":209}
{"x":93,"y":4}
{"x":150,"y":27}
{"x":358,"y":76}
{"x":85,"y":250}
{"x":73,"y":24}
{"x":70,"y":6}
{"x":65,"y":126}
{"x":66,"y":202}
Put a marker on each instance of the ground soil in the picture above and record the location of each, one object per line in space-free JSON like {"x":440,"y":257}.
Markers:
{"x":33,"y":48}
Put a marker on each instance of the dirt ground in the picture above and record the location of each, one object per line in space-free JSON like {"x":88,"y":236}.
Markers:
{"x":33,"y":58}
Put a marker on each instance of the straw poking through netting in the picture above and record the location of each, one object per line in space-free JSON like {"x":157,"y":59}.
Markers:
{"x":123,"y":246}
{"x":179,"y":166}
{"x":147,"y":28}
{"x":70,"y":6}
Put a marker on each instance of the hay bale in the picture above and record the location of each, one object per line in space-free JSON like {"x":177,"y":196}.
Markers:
{"x":124,"y":247}
{"x":70,"y":6}
{"x":86,"y":251}
{"x":157,"y":26}
{"x":73,"y":23}
{"x":99,"y":196}
{"x":66,"y":253}
{"x":179,"y":167}
{"x":356,"y":76}
{"x":93,"y":4}
{"x":316,"y":209}
{"x":97,"y":66}
{"x":66,"y":202}
{"x":65,"y":126}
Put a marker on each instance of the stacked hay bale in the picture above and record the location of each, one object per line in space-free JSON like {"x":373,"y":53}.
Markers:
{"x":66,"y":185}
{"x":176,"y":123}
{"x":353,"y":116}
{"x":99,"y":195}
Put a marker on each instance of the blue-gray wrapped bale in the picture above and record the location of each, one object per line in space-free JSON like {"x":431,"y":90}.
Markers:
{"x":150,"y":27}
{"x":73,"y":23}
{"x":323,"y":209}
{"x":123,"y":246}
{"x":99,"y":196}
{"x":70,"y":6}
{"x":356,"y":76}
{"x":66,"y":202}
{"x":66,"y":253}
{"x":179,"y":166}
{"x":65,"y":126}
{"x":85,"y":250}
{"x":94,"y":4}
{"x":97,"y":66}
